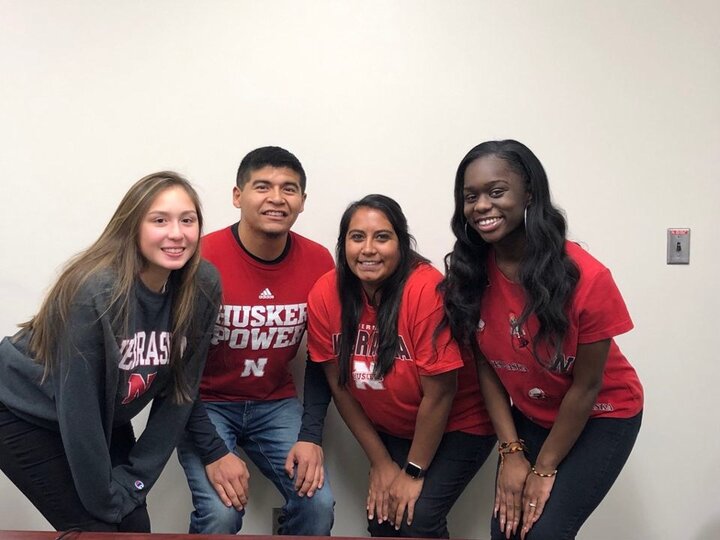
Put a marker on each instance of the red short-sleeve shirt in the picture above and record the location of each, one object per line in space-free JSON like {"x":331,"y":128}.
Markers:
{"x":597,"y":312}
{"x":392,"y":402}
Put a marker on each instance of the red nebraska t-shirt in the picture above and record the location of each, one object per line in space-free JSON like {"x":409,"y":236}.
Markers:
{"x":597,"y":312}
{"x":392,"y":402}
{"x":262,"y":318}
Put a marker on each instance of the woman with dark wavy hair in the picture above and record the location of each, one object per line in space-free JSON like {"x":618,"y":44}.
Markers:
{"x":538,"y":314}
{"x":127,"y":322}
{"x":403,"y":390}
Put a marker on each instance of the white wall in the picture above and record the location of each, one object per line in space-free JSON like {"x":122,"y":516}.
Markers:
{"x":618,"y":98}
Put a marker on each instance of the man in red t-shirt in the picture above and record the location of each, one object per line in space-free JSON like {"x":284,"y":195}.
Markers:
{"x":247,"y":389}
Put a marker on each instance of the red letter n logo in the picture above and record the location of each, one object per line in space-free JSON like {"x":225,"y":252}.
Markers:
{"x":137,"y":386}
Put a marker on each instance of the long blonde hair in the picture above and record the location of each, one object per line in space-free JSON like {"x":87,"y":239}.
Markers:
{"x":118,"y":250}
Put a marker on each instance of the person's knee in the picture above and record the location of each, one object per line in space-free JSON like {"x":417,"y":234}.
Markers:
{"x":213,"y":517}
{"x":428,"y":522}
{"x":317,"y":513}
{"x":551,"y":527}
{"x":424,"y":527}
{"x":136,"y":521}
{"x":383,"y":530}
{"x":322,"y":503}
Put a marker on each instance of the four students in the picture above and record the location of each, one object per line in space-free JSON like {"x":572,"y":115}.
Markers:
{"x":533,"y":314}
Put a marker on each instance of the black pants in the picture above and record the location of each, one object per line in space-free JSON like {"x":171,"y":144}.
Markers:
{"x":584,"y":477}
{"x":34,"y":459}
{"x":457,"y":460}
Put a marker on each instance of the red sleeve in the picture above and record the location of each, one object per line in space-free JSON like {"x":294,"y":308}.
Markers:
{"x":320,"y":318}
{"x":602,"y":313}
{"x":327,"y":263}
{"x":424,"y":309}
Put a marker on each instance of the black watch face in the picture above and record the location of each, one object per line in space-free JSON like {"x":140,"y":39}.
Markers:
{"x":413,"y":470}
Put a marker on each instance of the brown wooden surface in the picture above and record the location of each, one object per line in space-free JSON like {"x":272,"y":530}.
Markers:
{"x":78,"y":535}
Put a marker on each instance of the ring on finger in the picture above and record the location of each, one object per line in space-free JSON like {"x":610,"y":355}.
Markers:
{"x":532,"y":505}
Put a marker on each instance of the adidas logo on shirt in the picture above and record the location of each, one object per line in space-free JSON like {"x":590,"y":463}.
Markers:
{"x":266,"y":295}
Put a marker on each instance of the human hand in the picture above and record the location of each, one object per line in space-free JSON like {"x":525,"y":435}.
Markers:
{"x":378,"y":500}
{"x":229,"y":476}
{"x":404,"y":492}
{"x":535,"y":495}
{"x":310,"y":476}
{"x":509,"y":492}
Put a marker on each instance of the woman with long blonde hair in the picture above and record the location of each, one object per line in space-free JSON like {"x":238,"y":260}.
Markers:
{"x":128,"y":321}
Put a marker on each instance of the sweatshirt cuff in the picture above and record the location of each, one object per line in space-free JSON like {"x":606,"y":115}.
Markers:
{"x":213,"y":455}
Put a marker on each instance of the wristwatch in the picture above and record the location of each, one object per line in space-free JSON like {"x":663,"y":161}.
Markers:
{"x":413,"y":470}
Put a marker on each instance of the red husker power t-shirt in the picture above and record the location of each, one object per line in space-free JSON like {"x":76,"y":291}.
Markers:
{"x":261,"y":320}
{"x":597,"y":312}
{"x":391,"y":403}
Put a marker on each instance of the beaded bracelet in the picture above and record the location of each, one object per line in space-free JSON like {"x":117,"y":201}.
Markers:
{"x":543,"y":475}
{"x":510,"y":448}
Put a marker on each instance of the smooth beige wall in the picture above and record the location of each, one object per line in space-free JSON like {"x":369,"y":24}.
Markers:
{"x":619,"y":99}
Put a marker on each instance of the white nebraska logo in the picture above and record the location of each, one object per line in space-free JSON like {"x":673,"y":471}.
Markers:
{"x":363,"y":377}
{"x":254,"y":367}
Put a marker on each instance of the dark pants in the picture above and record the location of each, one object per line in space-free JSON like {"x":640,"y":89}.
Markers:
{"x":33,"y":458}
{"x":584,"y":477}
{"x":457,"y":460}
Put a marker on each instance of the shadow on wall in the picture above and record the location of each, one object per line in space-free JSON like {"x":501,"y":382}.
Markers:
{"x":710,"y":531}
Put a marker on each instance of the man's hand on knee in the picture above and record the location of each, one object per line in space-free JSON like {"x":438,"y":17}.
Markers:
{"x":229,"y":476}
{"x":309,"y":458}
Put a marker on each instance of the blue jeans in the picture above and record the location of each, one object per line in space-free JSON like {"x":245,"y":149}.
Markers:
{"x":265,"y":430}
{"x":584,"y":477}
{"x":457,"y":460}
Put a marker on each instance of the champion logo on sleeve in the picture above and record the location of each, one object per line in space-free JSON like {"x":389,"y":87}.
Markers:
{"x":139,"y":485}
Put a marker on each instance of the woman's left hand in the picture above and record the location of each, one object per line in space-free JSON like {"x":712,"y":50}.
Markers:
{"x":404,"y":492}
{"x":535,"y":496}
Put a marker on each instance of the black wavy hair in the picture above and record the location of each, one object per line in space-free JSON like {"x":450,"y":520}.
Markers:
{"x":390,"y":291}
{"x":546,"y":273}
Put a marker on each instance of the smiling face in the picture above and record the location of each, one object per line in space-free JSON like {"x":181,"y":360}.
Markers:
{"x":372,"y":250}
{"x":168,"y":236}
{"x":270,"y":201}
{"x":495,"y":198}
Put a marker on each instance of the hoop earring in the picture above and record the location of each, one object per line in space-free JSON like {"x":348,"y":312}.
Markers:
{"x":525,"y":217}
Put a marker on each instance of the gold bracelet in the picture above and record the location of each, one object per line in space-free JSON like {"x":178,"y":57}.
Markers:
{"x":543,"y":475}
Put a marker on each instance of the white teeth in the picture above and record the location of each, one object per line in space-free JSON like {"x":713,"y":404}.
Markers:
{"x":488,"y":221}
{"x":272,"y":213}
{"x":174,"y":250}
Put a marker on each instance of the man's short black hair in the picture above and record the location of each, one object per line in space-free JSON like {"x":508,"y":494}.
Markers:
{"x":272,"y":156}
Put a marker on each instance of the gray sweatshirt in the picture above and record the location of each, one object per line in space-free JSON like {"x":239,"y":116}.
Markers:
{"x":104,"y":375}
